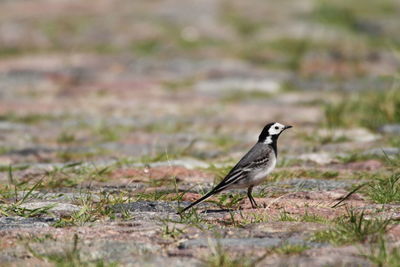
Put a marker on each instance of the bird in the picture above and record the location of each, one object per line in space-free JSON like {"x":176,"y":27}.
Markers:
{"x":254,"y":166}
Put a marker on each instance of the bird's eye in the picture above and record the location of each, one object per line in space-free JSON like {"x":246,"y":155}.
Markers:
{"x":276,"y":128}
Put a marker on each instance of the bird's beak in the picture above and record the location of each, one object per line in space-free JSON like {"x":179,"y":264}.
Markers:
{"x":288,"y":126}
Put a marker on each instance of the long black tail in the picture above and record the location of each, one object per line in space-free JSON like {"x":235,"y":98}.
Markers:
{"x":209,"y":194}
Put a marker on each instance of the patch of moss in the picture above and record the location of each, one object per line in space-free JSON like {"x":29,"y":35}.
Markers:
{"x":382,"y":254}
{"x":235,"y":96}
{"x":353,"y":227}
{"x":335,"y":15}
{"x":289,"y":249}
{"x":244,"y":26}
{"x":32,"y":118}
{"x":384,"y":190}
{"x":368,"y":109}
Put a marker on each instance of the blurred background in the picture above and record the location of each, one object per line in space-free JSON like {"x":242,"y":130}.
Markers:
{"x":165,"y":79}
{"x":116,"y":113}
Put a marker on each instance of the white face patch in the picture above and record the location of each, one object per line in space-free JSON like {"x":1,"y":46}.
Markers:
{"x":268,"y":140}
{"x":276,"y":128}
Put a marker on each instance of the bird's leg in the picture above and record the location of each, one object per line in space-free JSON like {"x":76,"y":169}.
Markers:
{"x":252,"y":201}
{"x":254,"y":206}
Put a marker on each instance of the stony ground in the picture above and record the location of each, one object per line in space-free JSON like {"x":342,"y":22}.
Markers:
{"x":116,"y":114}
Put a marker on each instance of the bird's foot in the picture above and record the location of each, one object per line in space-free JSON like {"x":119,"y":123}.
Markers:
{"x":254,"y":204}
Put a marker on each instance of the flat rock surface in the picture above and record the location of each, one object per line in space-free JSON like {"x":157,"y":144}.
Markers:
{"x":150,"y":206}
{"x":20,"y":222}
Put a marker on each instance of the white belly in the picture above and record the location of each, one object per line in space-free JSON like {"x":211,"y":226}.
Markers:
{"x":260,"y":175}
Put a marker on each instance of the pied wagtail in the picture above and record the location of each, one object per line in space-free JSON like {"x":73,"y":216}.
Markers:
{"x":254,"y":167}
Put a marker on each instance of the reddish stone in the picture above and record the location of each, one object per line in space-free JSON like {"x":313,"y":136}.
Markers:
{"x":368,"y":165}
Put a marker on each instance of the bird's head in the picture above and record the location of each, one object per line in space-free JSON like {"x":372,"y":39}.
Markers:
{"x":271,"y":132}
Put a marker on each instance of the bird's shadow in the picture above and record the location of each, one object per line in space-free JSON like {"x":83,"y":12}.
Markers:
{"x":225,"y":210}
{"x":217,"y":211}
{"x":212,"y":211}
